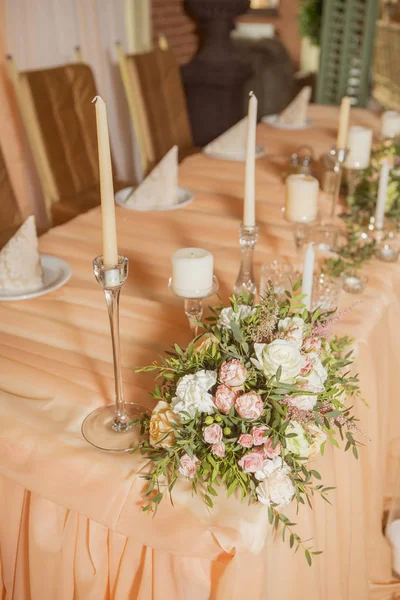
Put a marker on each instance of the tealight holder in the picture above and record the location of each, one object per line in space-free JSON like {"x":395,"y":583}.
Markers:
{"x":388,"y":249}
{"x":245,"y":282}
{"x":325,"y":236}
{"x":339,"y":156}
{"x":110,"y":427}
{"x":326,"y":292}
{"x":354,"y":282}
{"x":194,"y":306}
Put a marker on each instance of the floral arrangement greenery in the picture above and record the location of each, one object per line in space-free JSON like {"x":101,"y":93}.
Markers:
{"x":362,"y":204}
{"x":247,"y":405}
{"x":353,"y":254}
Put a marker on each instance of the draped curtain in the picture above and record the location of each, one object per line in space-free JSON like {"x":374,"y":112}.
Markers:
{"x":44,"y":33}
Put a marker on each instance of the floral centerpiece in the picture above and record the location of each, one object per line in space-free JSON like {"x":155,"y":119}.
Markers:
{"x":247,"y":405}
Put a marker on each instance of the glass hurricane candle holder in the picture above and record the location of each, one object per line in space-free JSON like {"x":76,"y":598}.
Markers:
{"x":110,"y":427}
{"x":245,"y":282}
{"x":324,"y":236}
{"x":194,"y":305}
{"x":326,"y":292}
{"x":354,"y":282}
{"x":280,"y":273}
{"x":388,"y":248}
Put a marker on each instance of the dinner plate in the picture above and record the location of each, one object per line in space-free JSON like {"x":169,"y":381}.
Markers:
{"x":184,"y":197}
{"x":56,"y":272}
{"x":236,"y":156}
{"x":273,"y":121}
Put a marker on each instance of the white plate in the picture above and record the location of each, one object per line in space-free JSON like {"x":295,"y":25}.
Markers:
{"x":273,"y":121}
{"x":56,"y":272}
{"x":237,"y":156}
{"x":184,"y":197}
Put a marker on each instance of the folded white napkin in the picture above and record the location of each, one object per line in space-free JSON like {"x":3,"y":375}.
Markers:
{"x":20,"y":267}
{"x":232,"y":142}
{"x":160,"y":188}
{"x":296,"y":112}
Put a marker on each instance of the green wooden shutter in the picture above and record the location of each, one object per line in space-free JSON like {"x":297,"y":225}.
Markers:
{"x":347,"y":44}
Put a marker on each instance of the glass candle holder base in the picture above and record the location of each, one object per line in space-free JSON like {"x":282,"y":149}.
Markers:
{"x":245,"y":282}
{"x":194,"y":306}
{"x":354,"y":282}
{"x":102,"y":431}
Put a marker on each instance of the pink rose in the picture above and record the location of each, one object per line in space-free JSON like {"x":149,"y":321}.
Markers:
{"x":258,"y":435}
{"x":249,"y":406}
{"x":224,"y":398}
{"x":312,"y":343}
{"x":218,"y":449}
{"x":269,"y":451}
{"x":246,"y":440}
{"x":188,"y":466}
{"x":233,"y":373}
{"x":251,"y":462}
{"x":212,"y":434}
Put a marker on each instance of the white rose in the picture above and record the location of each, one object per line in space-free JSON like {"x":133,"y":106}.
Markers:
{"x":270,"y":466}
{"x":279,"y":353}
{"x":192,"y":393}
{"x":293,"y":328}
{"x":303,"y":402}
{"x":317,"y":376}
{"x":299,"y":444}
{"x":276,"y":489}
{"x":319,"y":438}
{"x":227,"y":315}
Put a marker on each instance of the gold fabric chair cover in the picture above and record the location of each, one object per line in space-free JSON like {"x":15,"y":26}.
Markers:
{"x":10,"y":214}
{"x":65,"y":137}
{"x":155,"y":76}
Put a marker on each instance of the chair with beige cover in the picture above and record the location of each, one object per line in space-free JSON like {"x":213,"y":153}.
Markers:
{"x":11,"y":217}
{"x":59,"y":118}
{"x":157,"y":103}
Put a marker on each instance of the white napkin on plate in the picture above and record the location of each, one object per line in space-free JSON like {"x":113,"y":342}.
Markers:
{"x":296,"y":112}
{"x":160,"y":188}
{"x":20,"y":268}
{"x":232,"y":142}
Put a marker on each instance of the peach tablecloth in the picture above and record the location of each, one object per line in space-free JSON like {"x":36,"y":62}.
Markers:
{"x":70,"y":523}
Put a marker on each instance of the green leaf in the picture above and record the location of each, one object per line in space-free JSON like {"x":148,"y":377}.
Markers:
{"x":237,"y":332}
{"x":308,"y":557}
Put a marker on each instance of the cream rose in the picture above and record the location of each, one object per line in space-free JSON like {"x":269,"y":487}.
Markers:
{"x":233,"y":373}
{"x":188,"y":466}
{"x":277,"y":489}
{"x":246,"y":440}
{"x":224,"y":398}
{"x":205,"y":342}
{"x":227,"y":315}
{"x":303,"y":402}
{"x":293,"y":328}
{"x":299,"y":444}
{"x":279,"y":353}
{"x":268,"y":466}
{"x":249,"y":406}
{"x":192,"y":394}
{"x":161,"y":431}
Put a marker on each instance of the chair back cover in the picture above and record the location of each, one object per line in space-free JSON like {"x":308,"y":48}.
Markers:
{"x":10,"y":213}
{"x":161,"y":89}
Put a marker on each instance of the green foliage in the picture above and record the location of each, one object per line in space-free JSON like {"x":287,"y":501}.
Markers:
{"x":310,"y":19}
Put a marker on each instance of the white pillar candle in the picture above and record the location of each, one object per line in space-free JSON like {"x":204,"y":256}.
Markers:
{"x":110,"y":250}
{"x":390,"y":125}
{"x":301,"y":198}
{"x":359,"y":144}
{"x":344,"y":117}
{"x":382,"y":194}
{"x":249,"y":212}
{"x":192,"y":272}
{"x":308,"y":275}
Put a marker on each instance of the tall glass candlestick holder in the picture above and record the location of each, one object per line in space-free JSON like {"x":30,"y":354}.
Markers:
{"x":110,"y":427}
{"x":194,"y":305}
{"x":339,"y":156}
{"x":245,"y":281}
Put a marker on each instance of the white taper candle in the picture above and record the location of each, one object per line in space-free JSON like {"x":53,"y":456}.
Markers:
{"x":110,"y":250}
{"x":382,"y":194}
{"x":308,"y":275}
{"x":344,"y":117}
{"x":249,"y":212}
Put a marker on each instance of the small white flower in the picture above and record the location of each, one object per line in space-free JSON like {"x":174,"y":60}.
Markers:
{"x":276,"y":489}
{"x":317,"y":376}
{"x":299,"y":444}
{"x":303,"y":402}
{"x":279,"y":353}
{"x":319,"y":438}
{"x":192,"y":393}
{"x":269,"y":466}
{"x":227,"y":315}
{"x":293,"y":328}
